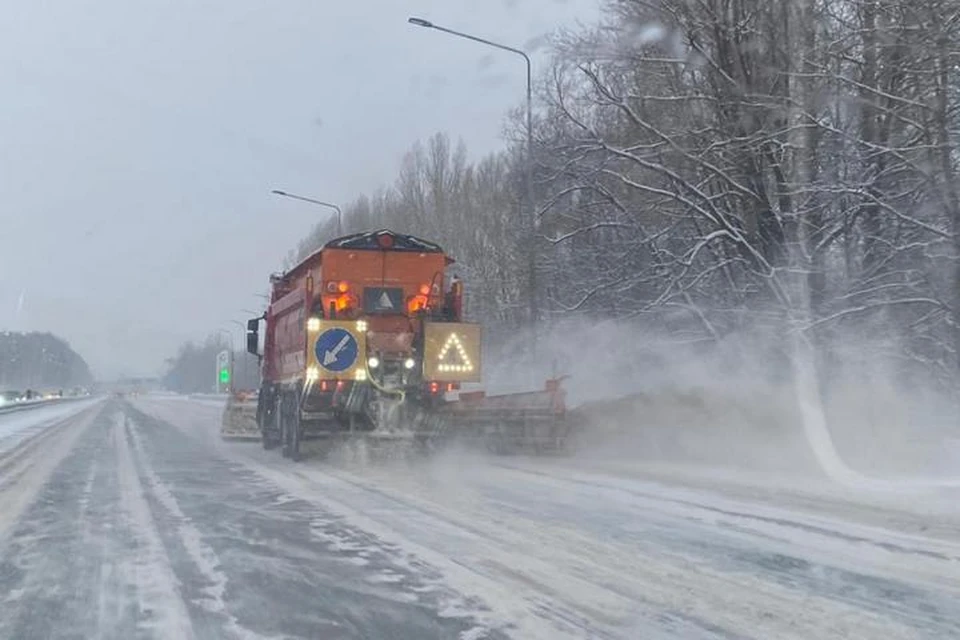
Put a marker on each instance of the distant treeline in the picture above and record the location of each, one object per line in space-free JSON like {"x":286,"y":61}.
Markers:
{"x":194,"y":368}
{"x":40,"y":361}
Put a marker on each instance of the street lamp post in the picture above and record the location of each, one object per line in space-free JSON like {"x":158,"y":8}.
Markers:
{"x":233,"y":343}
{"x":531,"y":213}
{"x":316,"y":202}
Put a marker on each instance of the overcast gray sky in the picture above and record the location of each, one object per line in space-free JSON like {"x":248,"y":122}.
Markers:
{"x":139,"y":142}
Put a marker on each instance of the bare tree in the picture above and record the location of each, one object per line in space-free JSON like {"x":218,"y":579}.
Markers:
{"x":722,"y":167}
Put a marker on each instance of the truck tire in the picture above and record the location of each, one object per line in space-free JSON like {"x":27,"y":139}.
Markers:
{"x":282,"y":428}
{"x":269,"y":439}
{"x":294,"y":427}
{"x":267,"y":419}
{"x":295,"y":436}
{"x":290,"y":413}
{"x":268,"y":433}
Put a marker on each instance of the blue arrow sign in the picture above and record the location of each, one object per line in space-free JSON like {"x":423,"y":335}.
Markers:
{"x":336,"y":350}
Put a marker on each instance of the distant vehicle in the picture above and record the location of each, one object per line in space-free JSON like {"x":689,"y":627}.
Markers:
{"x":10,"y":397}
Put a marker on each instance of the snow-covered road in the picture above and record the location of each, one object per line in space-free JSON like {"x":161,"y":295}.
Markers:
{"x":141,"y":522}
{"x":18,"y":425}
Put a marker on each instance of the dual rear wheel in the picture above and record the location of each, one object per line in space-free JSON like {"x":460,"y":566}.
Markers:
{"x":290,"y":427}
{"x":280,"y":425}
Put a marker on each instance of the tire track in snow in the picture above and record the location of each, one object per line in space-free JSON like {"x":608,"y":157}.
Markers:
{"x":693,"y":599}
{"x":292,"y":567}
{"x":22,"y":473}
{"x":203,"y":557}
{"x":911,"y":581}
{"x":158,"y":590}
{"x":548,"y":578}
{"x":64,"y":569}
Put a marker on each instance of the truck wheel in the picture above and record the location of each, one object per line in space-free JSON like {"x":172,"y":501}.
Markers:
{"x":265,"y":421}
{"x":268,"y":438}
{"x":294,"y":427}
{"x":283,"y":426}
{"x":295,"y":441}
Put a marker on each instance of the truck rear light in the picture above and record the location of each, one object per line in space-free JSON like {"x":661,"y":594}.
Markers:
{"x":451,"y":386}
{"x":323,"y":385}
{"x":418,"y":302}
{"x":339,"y":385}
{"x":434,"y":388}
{"x":343,"y":302}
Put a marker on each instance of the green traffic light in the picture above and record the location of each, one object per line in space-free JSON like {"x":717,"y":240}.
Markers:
{"x":224,"y":376}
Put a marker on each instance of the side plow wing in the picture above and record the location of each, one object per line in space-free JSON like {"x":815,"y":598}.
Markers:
{"x":529,"y":421}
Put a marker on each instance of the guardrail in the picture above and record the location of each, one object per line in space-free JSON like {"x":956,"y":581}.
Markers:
{"x":14,"y":407}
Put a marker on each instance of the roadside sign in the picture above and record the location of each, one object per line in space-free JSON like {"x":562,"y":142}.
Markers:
{"x":336,"y":350}
{"x":224,"y":371}
{"x":452,"y":352}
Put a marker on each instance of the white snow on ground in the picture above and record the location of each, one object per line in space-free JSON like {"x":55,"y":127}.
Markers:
{"x":549,"y":550}
{"x":158,"y":589}
{"x":19,"y":425}
{"x":202,"y":556}
{"x":204,"y":399}
{"x":22,"y":476}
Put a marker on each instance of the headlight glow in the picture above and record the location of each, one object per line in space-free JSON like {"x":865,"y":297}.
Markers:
{"x":373,"y":362}
{"x":409,"y":363}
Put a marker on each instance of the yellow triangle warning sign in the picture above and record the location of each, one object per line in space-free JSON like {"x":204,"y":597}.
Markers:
{"x":453,"y":357}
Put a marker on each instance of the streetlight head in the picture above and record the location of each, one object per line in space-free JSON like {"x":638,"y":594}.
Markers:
{"x":278,"y":192}
{"x":420,"y":22}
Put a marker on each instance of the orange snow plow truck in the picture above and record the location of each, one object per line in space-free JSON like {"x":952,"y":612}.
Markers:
{"x":366,"y":338}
